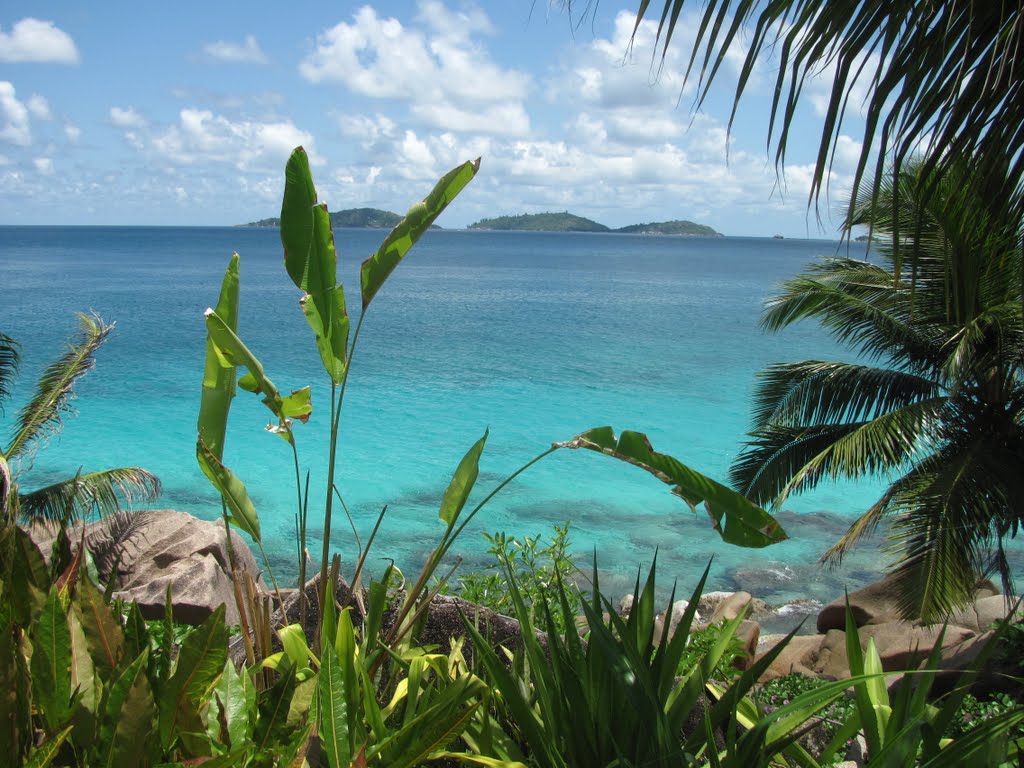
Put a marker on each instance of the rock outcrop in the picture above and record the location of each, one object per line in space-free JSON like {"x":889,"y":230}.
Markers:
{"x":147,"y":552}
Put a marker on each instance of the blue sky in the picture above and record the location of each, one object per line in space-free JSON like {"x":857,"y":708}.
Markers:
{"x":184,"y":114}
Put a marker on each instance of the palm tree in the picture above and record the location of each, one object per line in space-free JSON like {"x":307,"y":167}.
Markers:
{"x":937,"y":407}
{"x":945,"y":69}
{"x":94,"y":492}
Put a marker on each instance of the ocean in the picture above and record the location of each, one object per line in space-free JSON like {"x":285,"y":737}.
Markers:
{"x":535,"y":337}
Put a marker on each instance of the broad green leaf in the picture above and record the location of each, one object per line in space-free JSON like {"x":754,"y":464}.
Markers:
{"x":236,"y":700}
{"x":87,"y":688}
{"x":218,"y":378}
{"x":197,"y":670}
{"x":462,"y":482}
{"x":327,"y":315}
{"x":43,"y":756}
{"x":736,"y":519}
{"x":51,"y":663}
{"x":128,"y":717}
{"x":334,"y":710}
{"x":30,"y":578}
{"x":293,"y":640}
{"x":232,"y":490}
{"x":298,"y":405}
{"x":376,"y":269}
{"x":311,"y":261}
{"x":310,"y":269}
{"x":103,"y":634}
{"x":233,"y":352}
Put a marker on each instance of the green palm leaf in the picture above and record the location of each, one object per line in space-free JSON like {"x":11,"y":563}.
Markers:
{"x":947,"y":70}
{"x":55,"y":389}
{"x":815,"y":392}
{"x":101,"y":493}
{"x":9,"y":359}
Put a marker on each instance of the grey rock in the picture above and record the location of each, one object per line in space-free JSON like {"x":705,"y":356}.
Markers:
{"x":984,"y":612}
{"x":146,"y":552}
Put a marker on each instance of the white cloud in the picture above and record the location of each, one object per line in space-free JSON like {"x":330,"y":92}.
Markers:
{"x":248,"y":52}
{"x":126,"y":118}
{"x":44,"y":165}
{"x":200,"y":135}
{"x":14,"y":117}
{"x":440,"y":71}
{"x":39,"y":107}
{"x":35,"y":40}
{"x":848,"y":151}
{"x":73,"y":132}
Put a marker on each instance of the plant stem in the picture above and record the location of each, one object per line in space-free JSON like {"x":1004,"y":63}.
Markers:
{"x":337,"y":398}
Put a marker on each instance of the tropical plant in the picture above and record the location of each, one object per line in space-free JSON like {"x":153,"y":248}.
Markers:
{"x":536,"y":567}
{"x":944,"y":72}
{"x":622,"y":695}
{"x":943,"y":409}
{"x":101,"y":492}
{"x":311,"y":262}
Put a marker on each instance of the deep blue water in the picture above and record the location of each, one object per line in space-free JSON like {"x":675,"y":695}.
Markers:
{"x":534,"y":336}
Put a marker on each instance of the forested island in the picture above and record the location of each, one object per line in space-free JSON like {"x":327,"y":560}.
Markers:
{"x":375,"y":218}
{"x":371,"y":218}
{"x":568,"y":222}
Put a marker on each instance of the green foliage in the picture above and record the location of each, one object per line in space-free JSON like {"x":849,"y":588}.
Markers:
{"x":782,"y":691}
{"x":623,"y":696}
{"x":737,"y":520}
{"x":1011,"y":641}
{"x":536,"y":568}
{"x":702,"y":641}
{"x":973,"y":712}
{"x":86,"y":683}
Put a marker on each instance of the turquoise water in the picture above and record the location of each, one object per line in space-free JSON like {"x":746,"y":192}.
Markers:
{"x":534,"y":336}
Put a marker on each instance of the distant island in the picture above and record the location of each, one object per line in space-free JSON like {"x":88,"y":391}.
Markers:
{"x":371,"y":218}
{"x":568,"y":222}
{"x":375,"y":218}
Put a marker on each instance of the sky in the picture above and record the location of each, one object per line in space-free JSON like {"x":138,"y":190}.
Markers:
{"x":184,"y":114}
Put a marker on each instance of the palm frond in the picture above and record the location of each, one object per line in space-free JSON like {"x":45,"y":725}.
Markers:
{"x":941,"y":530}
{"x":775,"y":454}
{"x":854,"y":301}
{"x":947,"y":70}
{"x":783,"y":460}
{"x":889,"y":503}
{"x":96,"y":493}
{"x":9,"y":360}
{"x":55,"y":389}
{"x":817,"y":392}
{"x":980,"y":344}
